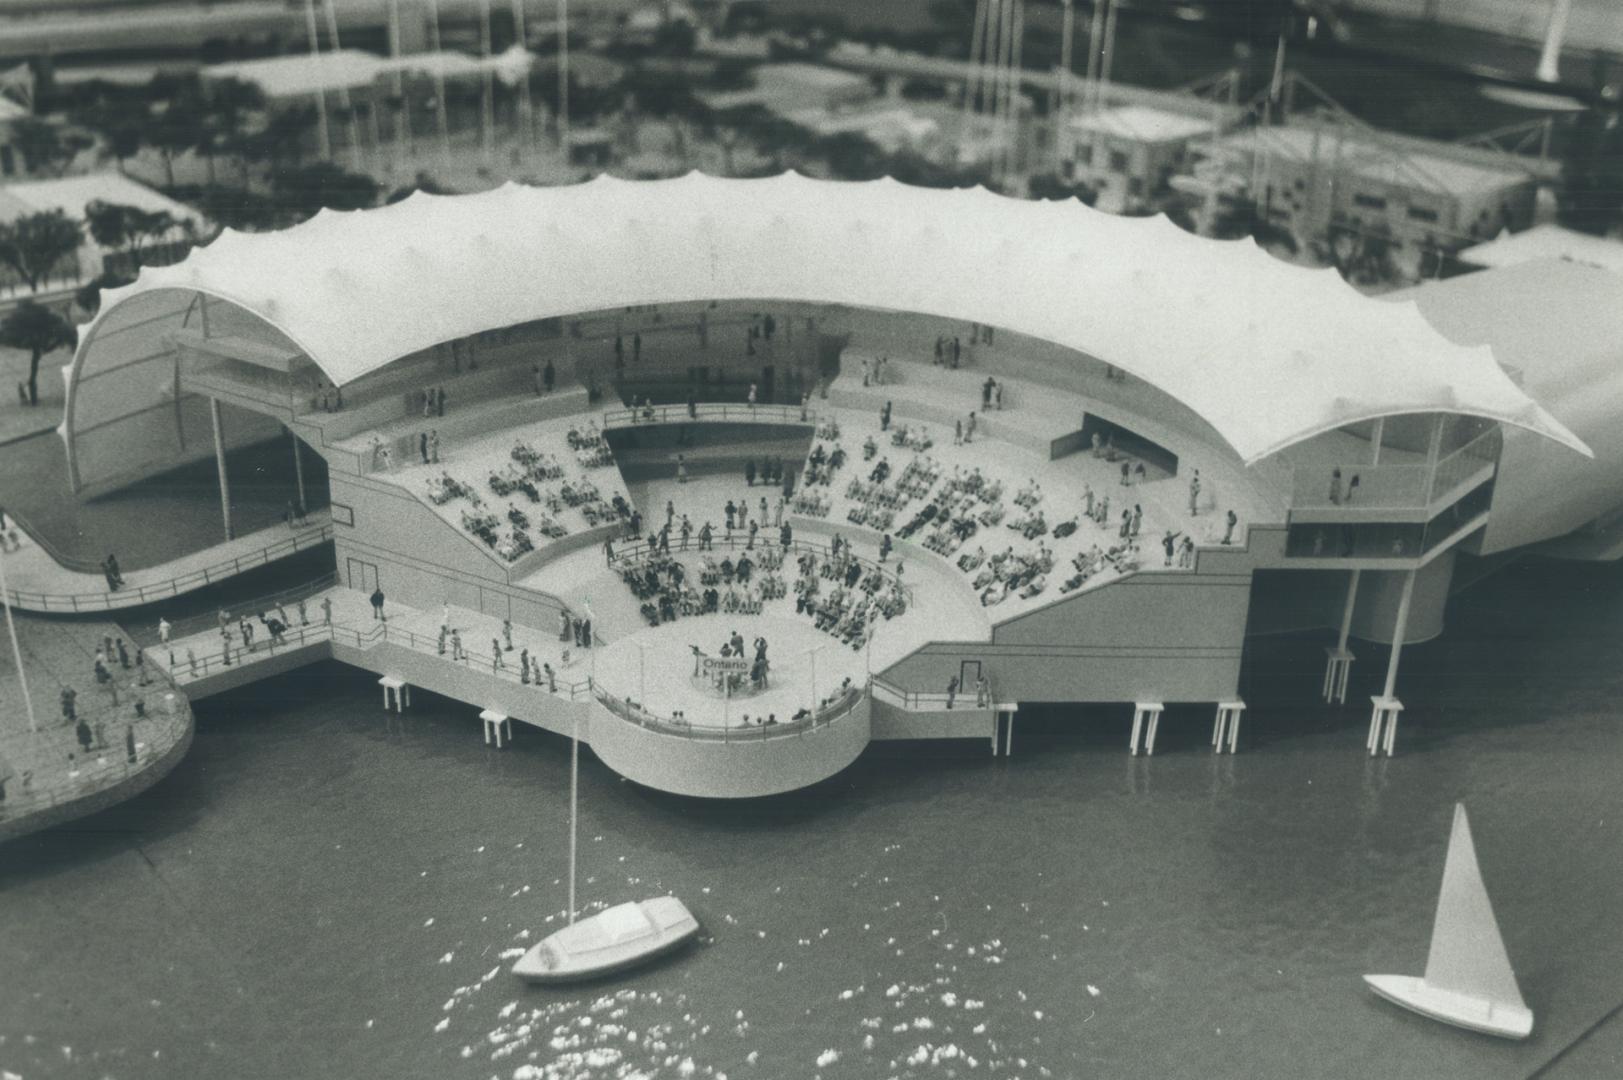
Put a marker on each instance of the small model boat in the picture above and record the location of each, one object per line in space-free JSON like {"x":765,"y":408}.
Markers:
{"x":1468,"y":980}
{"x":613,"y":940}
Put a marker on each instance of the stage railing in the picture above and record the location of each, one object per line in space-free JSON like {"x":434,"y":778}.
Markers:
{"x":834,"y":709}
{"x":708,"y":411}
{"x":195,"y":579}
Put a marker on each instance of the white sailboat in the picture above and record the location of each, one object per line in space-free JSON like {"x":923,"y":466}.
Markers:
{"x":1468,"y":980}
{"x":613,"y":940}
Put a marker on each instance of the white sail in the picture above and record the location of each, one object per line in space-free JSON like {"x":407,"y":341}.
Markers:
{"x":1467,"y":954}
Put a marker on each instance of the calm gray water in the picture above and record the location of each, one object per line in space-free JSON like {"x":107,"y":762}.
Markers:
{"x":310,"y":895}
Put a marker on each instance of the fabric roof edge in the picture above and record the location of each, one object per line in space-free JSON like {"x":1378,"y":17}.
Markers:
{"x":237,"y":266}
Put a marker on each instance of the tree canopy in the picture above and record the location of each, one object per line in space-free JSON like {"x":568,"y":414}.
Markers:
{"x":303,"y":191}
{"x":37,"y":330}
{"x":47,"y":146}
{"x":34,"y":244}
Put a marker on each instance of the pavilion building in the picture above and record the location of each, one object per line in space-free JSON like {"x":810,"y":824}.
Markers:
{"x":1360,"y":444}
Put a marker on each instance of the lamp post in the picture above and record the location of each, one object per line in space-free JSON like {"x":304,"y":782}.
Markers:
{"x":16,"y":649}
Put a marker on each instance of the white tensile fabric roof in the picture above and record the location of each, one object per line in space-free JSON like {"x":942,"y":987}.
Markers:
{"x":1268,"y":353}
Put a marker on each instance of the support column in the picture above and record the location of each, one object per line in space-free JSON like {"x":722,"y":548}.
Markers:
{"x":219,"y":461}
{"x":1375,"y":440}
{"x":1383,"y":720}
{"x":1339,"y":660}
{"x":298,"y":469}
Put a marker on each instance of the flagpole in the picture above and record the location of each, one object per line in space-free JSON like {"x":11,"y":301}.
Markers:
{"x":16,"y":649}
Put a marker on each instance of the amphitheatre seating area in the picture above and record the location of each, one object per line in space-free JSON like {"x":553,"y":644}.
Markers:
{"x":844,"y":595}
{"x":1023,"y":530}
{"x":518,"y":490}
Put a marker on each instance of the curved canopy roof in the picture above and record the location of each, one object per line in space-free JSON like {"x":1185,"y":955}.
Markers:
{"x":1268,"y":353}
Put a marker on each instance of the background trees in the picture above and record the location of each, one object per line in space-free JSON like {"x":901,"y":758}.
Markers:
{"x":35,"y":244}
{"x":48,"y":147}
{"x":36,"y":330}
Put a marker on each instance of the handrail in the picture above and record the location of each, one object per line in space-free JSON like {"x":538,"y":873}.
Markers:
{"x":216,"y":662}
{"x":712,"y":410}
{"x":838,"y":707}
{"x":1387,"y":487}
{"x":145,"y":594}
{"x":184,"y":628}
{"x":916,"y":700}
{"x":1460,"y":463}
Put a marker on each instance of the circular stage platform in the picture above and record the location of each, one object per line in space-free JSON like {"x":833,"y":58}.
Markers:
{"x":654,"y":667}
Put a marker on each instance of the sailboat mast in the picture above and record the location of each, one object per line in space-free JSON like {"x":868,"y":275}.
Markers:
{"x":574,"y":790}
{"x":1549,"y":61}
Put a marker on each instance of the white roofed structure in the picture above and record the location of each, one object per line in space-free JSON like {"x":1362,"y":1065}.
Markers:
{"x":1547,"y":242}
{"x":1268,"y":353}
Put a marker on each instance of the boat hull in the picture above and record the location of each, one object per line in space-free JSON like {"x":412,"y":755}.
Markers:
{"x":1461,"y":1010}
{"x":560,"y":957}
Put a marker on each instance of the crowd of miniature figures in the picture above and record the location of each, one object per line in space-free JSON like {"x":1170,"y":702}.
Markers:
{"x":526,"y":473}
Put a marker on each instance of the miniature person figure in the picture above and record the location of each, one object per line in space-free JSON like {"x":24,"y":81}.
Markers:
{"x":456,"y":646}
{"x":377,"y":603}
{"x":1194,"y":493}
{"x":326,"y":611}
{"x":1228,"y":532}
{"x":507,"y":633}
{"x":1335,"y":487}
{"x":434,"y":446}
{"x":952,"y":690}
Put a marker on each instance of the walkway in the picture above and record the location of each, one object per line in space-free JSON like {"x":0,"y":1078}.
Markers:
{"x":43,"y":773}
{"x":37,"y":582}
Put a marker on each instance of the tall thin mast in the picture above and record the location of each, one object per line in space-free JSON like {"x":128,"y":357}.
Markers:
{"x":526,"y":115}
{"x":563,"y":79}
{"x":439,"y":80}
{"x":16,"y":649}
{"x":344,"y":102}
{"x":574,"y":802}
{"x":323,"y":133}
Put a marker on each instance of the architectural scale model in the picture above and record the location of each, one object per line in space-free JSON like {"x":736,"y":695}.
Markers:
{"x":998,"y":452}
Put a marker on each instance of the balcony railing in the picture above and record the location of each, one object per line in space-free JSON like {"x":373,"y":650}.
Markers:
{"x":161,"y":590}
{"x":1460,"y":465}
{"x":1390,"y":487}
{"x":709,"y":411}
{"x":931,"y":701}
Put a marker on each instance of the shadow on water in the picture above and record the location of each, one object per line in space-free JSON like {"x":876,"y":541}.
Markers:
{"x":162,"y":517}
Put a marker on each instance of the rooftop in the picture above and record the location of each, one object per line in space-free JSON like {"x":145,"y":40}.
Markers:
{"x":1372,"y":155}
{"x":69,"y":194}
{"x":1547,"y":242}
{"x":1143,"y":124}
{"x":345,"y":69}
